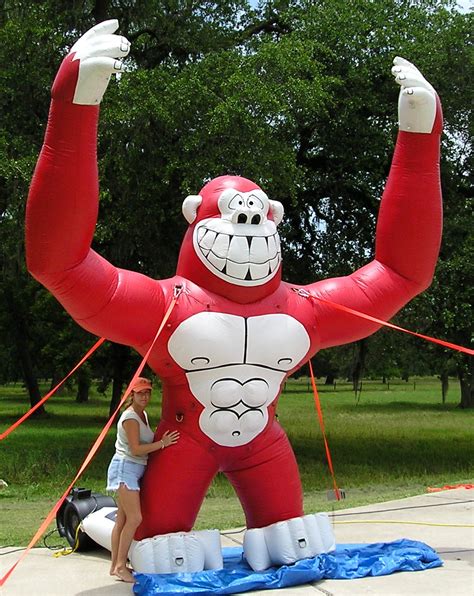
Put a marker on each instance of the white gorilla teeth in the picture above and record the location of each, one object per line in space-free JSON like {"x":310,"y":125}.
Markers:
{"x":221,"y":246}
{"x":274,"y":264}
{"x":259,"y":251}
{"x":216,"y":261}
{"x":258,"y":270}
{"x":208,"y":240}
{"x":246,"y":259}
{"x":272,"y":247}
{"x":239,"y":250}
{"x":237,"y":270}
{"x":201,"y":232}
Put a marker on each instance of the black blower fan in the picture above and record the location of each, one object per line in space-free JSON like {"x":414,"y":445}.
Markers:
{"x":77,"y":505}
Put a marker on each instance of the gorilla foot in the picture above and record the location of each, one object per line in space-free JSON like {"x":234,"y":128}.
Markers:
{"x":178,"y":552}
{"x":286,"y":542}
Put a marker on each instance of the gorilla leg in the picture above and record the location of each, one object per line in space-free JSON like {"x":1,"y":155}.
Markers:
{"x":173,"y":487}
{"x":269,"y":486}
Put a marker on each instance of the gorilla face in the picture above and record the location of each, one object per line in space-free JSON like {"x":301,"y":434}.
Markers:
{"x":232,"y":247}
{"x":242,"y":246}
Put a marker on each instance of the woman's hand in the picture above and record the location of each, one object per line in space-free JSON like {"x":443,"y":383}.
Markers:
{"x":169,"y":438}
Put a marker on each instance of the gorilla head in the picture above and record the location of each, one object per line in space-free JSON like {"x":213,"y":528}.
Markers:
{"x":232,"y":246}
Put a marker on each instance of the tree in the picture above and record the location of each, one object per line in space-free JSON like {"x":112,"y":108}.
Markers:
{"x":347,"y":166}
{"x":294,"y":94}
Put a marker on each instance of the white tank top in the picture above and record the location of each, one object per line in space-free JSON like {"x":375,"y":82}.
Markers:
{"x":122,"y":447}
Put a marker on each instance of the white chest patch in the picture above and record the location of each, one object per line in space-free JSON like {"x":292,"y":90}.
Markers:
{"x":235,"y":366}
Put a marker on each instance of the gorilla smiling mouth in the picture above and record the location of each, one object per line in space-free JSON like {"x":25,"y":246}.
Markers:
{"x":243,"y":254}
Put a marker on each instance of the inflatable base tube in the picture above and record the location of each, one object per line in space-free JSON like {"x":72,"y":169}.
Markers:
{"x":350,"y":561}
{"x":288,"y":541}
{"x":99,"y":525}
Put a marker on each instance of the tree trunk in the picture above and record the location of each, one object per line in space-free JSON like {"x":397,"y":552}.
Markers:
{"x":100,"y":11}
{"x":83,"y":385}
{"x":24,"y":353}
{"x":29,"y":376}
{"x":444,"y":385}
{"x":466,"y":380}
{"x":330,"y":380}
{"x":120,"y":357}
{"x":359,"y":363}
{"x":54,"y":381}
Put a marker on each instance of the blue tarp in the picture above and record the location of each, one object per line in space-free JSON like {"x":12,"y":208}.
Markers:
{"x":349,"y":561}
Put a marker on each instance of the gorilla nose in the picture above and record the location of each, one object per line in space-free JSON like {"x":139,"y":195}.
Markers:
{"x":243,"y":218}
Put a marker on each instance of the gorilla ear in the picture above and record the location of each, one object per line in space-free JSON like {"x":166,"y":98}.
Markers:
{"x":190,"y":207}
{"x":277,"y":211}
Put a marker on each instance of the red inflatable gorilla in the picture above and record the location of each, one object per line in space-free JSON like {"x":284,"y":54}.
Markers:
{"x":237,"y":330}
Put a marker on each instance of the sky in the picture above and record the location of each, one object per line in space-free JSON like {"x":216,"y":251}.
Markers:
{"x":464,"y":5}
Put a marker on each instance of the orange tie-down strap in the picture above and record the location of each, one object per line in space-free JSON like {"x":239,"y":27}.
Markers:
{"x":9,"y":430}
{"x":338,"y":493}
{"x":51,"y":515}
{"x":362,"y":315}
{"x":434,"y":489}
{"x":317,"y":402}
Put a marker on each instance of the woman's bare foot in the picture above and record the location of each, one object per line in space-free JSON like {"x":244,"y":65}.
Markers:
{"x":124,"y":574}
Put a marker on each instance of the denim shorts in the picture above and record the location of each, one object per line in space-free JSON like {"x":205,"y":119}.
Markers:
{"x":124,"y":471}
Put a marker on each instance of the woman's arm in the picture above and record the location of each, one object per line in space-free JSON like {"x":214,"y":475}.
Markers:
{"x":132,"y":429}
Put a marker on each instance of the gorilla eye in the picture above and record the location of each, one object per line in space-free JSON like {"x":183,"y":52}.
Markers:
{"x":254,"y":200}
{"x":236,"y":202}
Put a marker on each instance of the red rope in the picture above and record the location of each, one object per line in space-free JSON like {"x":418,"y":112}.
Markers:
{"x":49,"y":518}
{"x":317,"y":402}
{"x":53,"y":391}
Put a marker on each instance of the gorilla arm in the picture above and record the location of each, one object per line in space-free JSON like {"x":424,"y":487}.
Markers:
{"x":408,"y":228}
{"x":63,"y":203}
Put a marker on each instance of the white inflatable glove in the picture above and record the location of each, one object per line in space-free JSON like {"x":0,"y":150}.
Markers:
{"x":417,"y":99}
{"x":86,"y":70}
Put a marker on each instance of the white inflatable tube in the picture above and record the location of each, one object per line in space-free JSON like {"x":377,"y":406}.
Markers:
{"x":99,"y":525}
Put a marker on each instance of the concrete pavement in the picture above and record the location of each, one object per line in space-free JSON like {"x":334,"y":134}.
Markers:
{"x":86,"y":574}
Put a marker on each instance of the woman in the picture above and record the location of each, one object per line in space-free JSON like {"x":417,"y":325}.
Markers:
{"x":134,"y":443}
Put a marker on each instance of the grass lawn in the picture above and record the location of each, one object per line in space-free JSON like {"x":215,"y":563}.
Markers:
{"x":394,"y":442}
